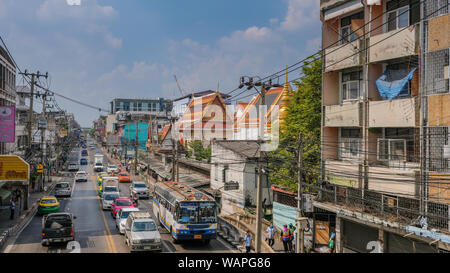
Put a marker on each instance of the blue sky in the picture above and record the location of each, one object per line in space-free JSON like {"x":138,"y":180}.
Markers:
{"x":103,"y":49}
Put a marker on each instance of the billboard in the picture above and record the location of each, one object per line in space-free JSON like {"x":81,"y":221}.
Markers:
{"x":13,"y":168}
{"x":7,"y":124}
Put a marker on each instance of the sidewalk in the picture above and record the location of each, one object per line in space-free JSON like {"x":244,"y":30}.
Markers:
{"x":11,"y":227}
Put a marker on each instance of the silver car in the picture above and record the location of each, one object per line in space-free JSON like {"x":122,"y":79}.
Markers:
{"x":121,"y":218}
{"x":63,"y":189}
{"x":108,"y":199}
{"x":141,"y":232}
{"x":139,"y":189}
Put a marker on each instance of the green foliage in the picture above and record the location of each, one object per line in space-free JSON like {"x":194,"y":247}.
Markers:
{"x":304,"y":116}
{"x":195,"y":148}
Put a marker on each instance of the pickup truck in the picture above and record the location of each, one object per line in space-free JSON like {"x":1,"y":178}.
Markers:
{"x":58,"y":228}
{"x":141,"y":232}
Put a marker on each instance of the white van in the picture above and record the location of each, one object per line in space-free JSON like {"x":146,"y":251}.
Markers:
{"x":141,"y":232}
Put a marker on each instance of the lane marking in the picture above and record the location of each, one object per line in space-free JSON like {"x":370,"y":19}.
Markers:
{"x":104,"y":220}
{"x":107,"y":242}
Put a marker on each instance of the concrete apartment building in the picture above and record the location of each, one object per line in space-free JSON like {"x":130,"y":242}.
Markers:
{"x":385,"y":125}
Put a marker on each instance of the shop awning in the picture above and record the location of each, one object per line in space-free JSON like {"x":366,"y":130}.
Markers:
{"x":392,"y":82}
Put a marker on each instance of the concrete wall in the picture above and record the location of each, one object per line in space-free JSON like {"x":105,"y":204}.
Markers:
{"x":387,"y":46}
{"x":330,"y":94}
{"x":392,"y":180}
{"x":346,"y":115}
{"x":330,"y":140}
{"x":343,"y":56}
{"x":393,"y":113}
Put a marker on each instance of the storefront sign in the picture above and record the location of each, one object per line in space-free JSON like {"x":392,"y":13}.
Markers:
{"x":7,"y":124}
{"x":13,"y":168}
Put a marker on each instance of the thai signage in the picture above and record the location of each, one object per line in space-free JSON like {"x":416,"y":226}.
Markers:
{"x":7,"y":124}
{"x":13,"y":168}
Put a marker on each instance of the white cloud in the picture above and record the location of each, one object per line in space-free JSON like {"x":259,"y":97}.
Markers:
{"x":52,"y":10}
{"x":300,"y":13}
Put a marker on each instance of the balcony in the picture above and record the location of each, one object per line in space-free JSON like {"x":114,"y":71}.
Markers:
{"x":393,"y":113}
{"x":394,"y":44}
{"x":346,"y":115}
{"x":343,"y":56}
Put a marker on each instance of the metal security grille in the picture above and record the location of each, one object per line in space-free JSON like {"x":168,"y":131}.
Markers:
{"x":356,"y":236}
{"x":437,"y":138}
{"x":435,"y":8}
{"x":435,"y":62}
{"x":398,"y":244}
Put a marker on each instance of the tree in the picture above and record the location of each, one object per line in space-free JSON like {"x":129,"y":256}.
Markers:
{"x":304,"y":116}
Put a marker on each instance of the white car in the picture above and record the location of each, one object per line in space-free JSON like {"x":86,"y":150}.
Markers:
{"x":81,"y":176}
{"x":108,"y":199}
{"x":112,"y":168}
{"x":121,"y":218}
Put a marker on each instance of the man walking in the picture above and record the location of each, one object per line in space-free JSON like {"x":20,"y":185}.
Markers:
{"x":248,"y":241}
{"x":291,"y":237}
{"x":285,"y":238}
{"x":13,"y":207}
{"x":270,"y":235}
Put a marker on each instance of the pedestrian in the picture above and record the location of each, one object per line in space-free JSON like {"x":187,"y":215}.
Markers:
{"x":270,"y":235}
{"x":285,"y":238}
{"x":248,"y":241}
{"x":291,"y":237}
{"x":13,"y":207}
{"x":331,"y":240}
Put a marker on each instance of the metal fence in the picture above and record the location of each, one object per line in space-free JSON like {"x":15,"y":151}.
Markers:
{"x":385,"y":206}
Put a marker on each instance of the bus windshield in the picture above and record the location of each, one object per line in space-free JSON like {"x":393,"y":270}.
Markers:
{"x":196,"y":212}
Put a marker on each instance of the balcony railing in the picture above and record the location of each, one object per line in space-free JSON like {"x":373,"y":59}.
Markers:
{"x":346,"y":115}
{"x":394,"y":44}
{"x":343,"y":56}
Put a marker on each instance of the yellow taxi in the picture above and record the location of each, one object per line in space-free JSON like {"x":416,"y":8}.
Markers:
{"x":99,"y":181}
{"x":48,"y":204}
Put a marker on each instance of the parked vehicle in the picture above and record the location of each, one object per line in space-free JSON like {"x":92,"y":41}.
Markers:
{"x":58,"y":227}
{"x":81,"y":176}
{"x":73,"y":167}
{"x":120,"y":203}
{"x":124,"y":177}
{"x":63,"y":189}
{"x":48,"y":204}
{"x":121,"y":218}
{"x":112,"y":169}
{"x":139,"y":190}
{"x":141,"y":232}
{"x":108,"y":199}
{"x":83,"y":161}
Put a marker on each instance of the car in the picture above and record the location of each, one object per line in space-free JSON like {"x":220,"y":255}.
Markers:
{"x":84,"y":152}
{"x":63,"y":189}
{"x":112,"y":169}
{"x":48,"y":204}
{"x":141,"y":232}
{"x":109,"y":184}
{"x":58,"y":227}
{"x":124,"y":177}
{"x":121,"y":218}
{"x":83,"y":161}
{"x":120,"y":203}
{"x":98,"y":167}
{"x":73,"y":167}
{"x":108,"y":199}
{"x":139,"y":190}
{"x":81,"y":176}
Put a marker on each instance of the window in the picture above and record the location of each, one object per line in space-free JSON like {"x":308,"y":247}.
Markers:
{"x":350,"y":86}
{"x":398,"y":14}
{"x":398,"y":71}
{"x":350,"y":146}
{"x":346,"y":33}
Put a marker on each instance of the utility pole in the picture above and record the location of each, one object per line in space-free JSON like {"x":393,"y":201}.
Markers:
{"x":300,"y":231}
{"x":177,"y":154}
{"x":135,"y":149}
{"x":260,"y":170}
{"x":44,"y":100}
{"x":30,"y":114}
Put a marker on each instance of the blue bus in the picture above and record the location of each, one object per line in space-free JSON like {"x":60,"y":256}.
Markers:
{"x":186,"y":213}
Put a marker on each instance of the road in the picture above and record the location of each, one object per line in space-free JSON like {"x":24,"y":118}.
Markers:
{"x":95,"y":229}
